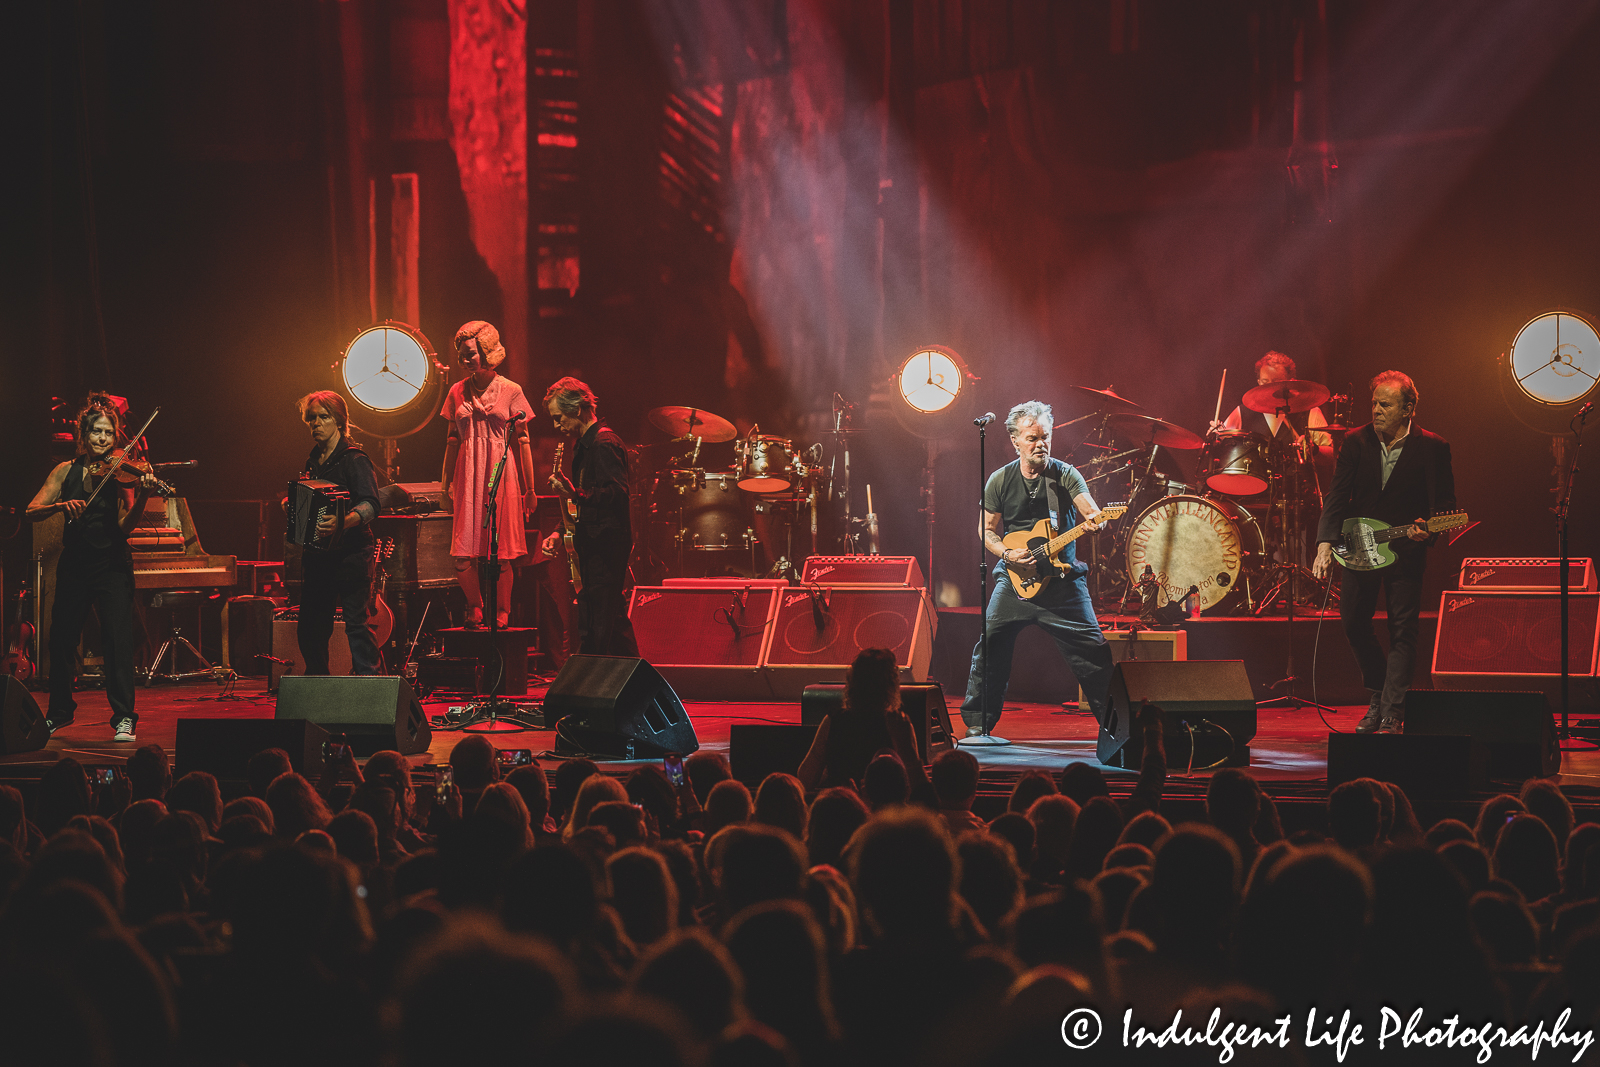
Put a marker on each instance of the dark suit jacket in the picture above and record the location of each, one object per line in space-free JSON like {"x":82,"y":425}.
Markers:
{"x":1421,"y":486}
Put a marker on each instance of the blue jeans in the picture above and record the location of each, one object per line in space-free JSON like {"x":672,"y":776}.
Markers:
{"x":1066,"y":613}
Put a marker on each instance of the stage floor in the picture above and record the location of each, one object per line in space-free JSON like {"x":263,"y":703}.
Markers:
{"x":1289,"y":753}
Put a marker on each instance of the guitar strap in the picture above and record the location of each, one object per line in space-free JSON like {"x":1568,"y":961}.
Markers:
{"x":1058,"y":513}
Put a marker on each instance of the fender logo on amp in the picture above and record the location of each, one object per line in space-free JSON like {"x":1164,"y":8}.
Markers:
{"x":820,"y":571}
{"x":1474,"y":577}
{"x":794,"y":598}
{"x":647,"y":598}
{"x":1457,"y":605}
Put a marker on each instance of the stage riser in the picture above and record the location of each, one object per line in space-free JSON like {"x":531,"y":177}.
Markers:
{"x":1039,"y":672}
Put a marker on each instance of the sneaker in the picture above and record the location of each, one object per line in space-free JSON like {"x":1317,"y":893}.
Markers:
{"x":52,"y":725}
{"x":124,"y":729}
{"x":1390,"y":725}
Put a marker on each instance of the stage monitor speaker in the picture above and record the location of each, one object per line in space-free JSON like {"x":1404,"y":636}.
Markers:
{"x":22,"y":726}
{"x":616,"y":707}
{"x":862,"y":570}
{"x":376,"y":711}
{"x":757,"y":749}
{"x":707,"y":638}
{"x":1208,"y":701}
{"x":1434,"y":766}
{"x":1490,"y":639}
{"x":1517,"y":729}
{"x":223,"y":747}
{"x":924,"y":705}
{"x":1527,"y":574}
{"x":819,"y":631}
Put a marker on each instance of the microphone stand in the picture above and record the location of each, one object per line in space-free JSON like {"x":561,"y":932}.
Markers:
{"x":1562,"y":508}
{"x":983,"y":737}
{"x":492,"y":707}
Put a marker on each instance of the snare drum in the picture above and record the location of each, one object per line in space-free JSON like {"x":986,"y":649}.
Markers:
{"x":1235,"y":462}
{"x":766,"y":465}
{"x":1196,"y":541}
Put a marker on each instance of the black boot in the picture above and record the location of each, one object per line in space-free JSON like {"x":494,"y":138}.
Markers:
{"x":1371,"y":720}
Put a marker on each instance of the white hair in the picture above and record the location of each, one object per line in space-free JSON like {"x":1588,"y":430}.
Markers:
{"x":1030,"y":409}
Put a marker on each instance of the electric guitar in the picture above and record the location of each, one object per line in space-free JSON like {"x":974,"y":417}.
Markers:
{"x":569,"y":523}
{"x":1364,"y":543}
{"x":1028,"y":579}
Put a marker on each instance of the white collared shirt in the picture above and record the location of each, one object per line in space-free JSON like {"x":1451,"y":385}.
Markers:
{"x":1391,"y":453}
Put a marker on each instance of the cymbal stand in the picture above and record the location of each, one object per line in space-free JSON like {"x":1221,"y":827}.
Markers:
{"x":1290,"y":569}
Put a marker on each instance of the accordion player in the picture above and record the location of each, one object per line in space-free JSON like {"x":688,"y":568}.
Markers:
{"x":310,"y":501}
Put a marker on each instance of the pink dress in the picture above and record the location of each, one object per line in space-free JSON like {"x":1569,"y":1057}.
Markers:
{"x":481,"y":424}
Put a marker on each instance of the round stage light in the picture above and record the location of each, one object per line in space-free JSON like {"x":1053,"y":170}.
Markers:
{"x":931,"y":379}
{"x":1555,"y":359}
{"x":394,"y":383}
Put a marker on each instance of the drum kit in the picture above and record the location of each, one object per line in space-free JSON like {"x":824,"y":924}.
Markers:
{"x":708,"y":522}
{"x":1236,"y":542}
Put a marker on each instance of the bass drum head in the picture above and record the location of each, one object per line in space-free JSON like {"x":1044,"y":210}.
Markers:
{"x":1195,"y":541}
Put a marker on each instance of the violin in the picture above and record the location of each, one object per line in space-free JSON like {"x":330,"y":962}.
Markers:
{"x":125,"y":470}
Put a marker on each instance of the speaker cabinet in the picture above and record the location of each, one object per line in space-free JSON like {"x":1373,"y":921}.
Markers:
{"x":708,"y":639}
{"x":247,"y":635}
{"x":1527,"y":574}
{"x":376,"y":711}
{"x":616,"y":707}
{"x":819,"y":631}
{"x":1516,"y":729}
{"x":223,"y":747}
{"x":757,"y":749}
{"x":1435,"y":766}
{"x":286,"y":646}
{"x":22,"y":726}
{"x":924,"y":705}
{"x":1207,"y":700}
{"x":1493,"y":639}
{"x":863,"y":570}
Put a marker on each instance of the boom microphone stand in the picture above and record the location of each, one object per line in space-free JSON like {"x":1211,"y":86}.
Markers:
{"x":983,"y":737}
{"x":492,"y":708}
{"x":1562,"y":509}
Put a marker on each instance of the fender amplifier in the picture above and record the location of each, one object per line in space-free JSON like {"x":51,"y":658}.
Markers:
{"x":708,"y":639}
{"x":863,"y":570}
{"x":1504,"y":639}
{"x":1527,"y":574}
{"x":818,"y":632}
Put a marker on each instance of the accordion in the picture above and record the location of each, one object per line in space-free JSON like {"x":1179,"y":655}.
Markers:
{"x":310,"y":501}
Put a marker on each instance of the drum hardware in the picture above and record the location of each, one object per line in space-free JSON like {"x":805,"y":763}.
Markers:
{"x":1235,"y":463}
{"x":1143,"y":429}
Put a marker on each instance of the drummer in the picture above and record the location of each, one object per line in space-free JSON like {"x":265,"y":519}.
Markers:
{"x":1270,"y":368}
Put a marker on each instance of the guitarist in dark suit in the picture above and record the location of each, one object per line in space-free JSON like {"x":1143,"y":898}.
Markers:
{"x":1399,"y":473}
{"x":1018,"y":495}
{"x":604,"y":535}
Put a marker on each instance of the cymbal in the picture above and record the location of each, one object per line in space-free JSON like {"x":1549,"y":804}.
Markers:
{"x":1105,"y":398}
{"x":1143,"y":429}
{"x":692,"y":422}
{"x":1291,"y":396}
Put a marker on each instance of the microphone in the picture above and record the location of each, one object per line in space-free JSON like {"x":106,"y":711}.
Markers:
{"x":819,"y":608}
{"x":983,"y":420}
{"x":519,"y":416}
{"x":1583,"y":411}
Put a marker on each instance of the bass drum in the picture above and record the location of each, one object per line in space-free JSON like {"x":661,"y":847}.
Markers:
{"x":1214,"y":545}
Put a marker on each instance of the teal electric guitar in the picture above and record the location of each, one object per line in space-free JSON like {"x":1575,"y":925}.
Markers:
{"x":1364,"y":544}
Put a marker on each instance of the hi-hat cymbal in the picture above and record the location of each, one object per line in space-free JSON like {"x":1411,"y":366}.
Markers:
{"x":692,"y":422}
{"x":1286,"y":397}
{"x":1105,"y":398}
{"x":1142,"y":429}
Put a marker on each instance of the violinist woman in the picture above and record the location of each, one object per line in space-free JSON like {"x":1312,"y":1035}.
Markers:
{"x":480,"y":409}
{"x":95,"y":567}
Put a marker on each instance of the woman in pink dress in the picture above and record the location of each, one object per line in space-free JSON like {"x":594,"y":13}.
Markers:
{"x":479,"y":408}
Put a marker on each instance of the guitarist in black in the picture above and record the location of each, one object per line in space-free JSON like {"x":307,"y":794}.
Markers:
{"x":1016,"y":497}
{"x":604,"y":536}
{"x":1399,"y":473}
